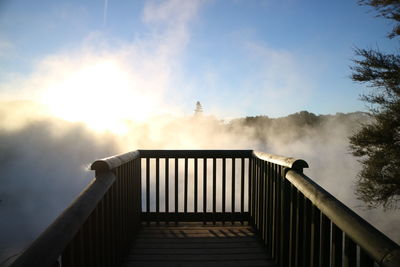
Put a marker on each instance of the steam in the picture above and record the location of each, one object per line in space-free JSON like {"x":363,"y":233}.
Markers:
{"x":100,"y":99}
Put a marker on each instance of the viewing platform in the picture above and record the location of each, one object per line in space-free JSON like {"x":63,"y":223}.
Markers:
{"x":207,"y":208}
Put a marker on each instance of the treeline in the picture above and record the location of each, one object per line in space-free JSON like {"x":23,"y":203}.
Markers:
{"x":298,"y":125}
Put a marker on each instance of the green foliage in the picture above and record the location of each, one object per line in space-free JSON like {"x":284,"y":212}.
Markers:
{"x":378,"y":143}
{"x":389,"y":9}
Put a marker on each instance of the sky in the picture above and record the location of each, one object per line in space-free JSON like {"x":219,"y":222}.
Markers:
{"x":146,"y":58}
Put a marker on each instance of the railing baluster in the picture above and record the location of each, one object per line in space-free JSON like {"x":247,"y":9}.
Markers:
{"x":224,"y":185}
{"x":249,"y":188}
{"x":108,"y":208}
{"x":278,"y":180}
{"x":176,"y":187}
{"x":365,"y":259}
{"x":185,"y":188}
{"x":157,"y":186}
{"x":147,"y":184}
{"x":293,"y":241}
{"x":307,"y":231}
{"x":195,"y":184}
{"x":242,"y":187}
{"x":325,"y":241}
{"x":285,"y":222}
{"x":270,"y":206}
{"x":337,"y":241}
{"x":261,"y":197}
{"x":214,"y":207}
{"x":167,"y":185}
{"x":256,"y":194}
{"x":264,"y":200}
{"x":300,"y":231}
{"x":205,"y":188}
{"x":350,"y":252}
{"x":275,"y":212}
{"x":233,"y":195}
{"x":315,"y":236}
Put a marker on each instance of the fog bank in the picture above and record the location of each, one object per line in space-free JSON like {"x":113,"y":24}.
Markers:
{"x":45,"y":160}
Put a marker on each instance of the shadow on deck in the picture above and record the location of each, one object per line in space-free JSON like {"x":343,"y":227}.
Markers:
{"x":197,"y":244}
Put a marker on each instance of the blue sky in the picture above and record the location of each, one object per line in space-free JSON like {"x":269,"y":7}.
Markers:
{"x":237,"y":57}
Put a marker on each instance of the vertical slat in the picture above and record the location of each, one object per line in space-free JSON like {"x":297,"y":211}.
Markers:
{"x":315,"y":236}
{"x":167,"y":185}
{"x":233,"y":195}
{"x":264,"y":200}
{"x":113,"y":191}
{"x":300,"y":231}
{"x":214,"y":207}
{"x":275,"y":204}
{"x":337,"y":241}
{"x":109,"y":247}
{"x":261,"y":197}
{"x":253,"y":192}
{"x":307,"y":232}
{"x":325,"y":241}
{"x":185,"y":188}
{"x":242,"y":186}
{"x":223,"y":185}
{"x":365,"y":259}
{"x":278,"y":180}
{"x":195,"y":184}
{"x":249,"y":189}
{"x":157,"y":185}
{"x":256,"y":198}
{"x":270,"y":207}
{"x":89,"y":239}
{"x":285,"y":221}
{"x":103,"y":235}
{"x":293,"y":250}
{"x":204,"y":187}
{"x":176,"y":185}
{"x":350,"y":252}
{"x":67,"y":259}
{"x":147,"y":184}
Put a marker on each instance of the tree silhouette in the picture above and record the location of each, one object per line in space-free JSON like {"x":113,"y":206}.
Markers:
{"x":199,"y":109}
{"x":378,"y":143}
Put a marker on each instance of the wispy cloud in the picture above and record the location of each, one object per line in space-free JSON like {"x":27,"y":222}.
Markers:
{"x":105,"y":13}
{"x":131,"y":78}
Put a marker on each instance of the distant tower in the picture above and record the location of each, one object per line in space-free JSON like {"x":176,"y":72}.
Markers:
{"x":199,"y":109}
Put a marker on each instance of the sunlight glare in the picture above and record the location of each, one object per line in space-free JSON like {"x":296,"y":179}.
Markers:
{"x":102,"y":95}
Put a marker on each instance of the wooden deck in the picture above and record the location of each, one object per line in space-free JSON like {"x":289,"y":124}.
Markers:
{"x":196,"y":244}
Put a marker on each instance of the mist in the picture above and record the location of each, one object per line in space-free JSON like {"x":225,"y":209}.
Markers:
{"x":45,"y":159}
{"x":102,"y":95}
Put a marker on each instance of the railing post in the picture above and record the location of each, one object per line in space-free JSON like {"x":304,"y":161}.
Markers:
{"x":285,"y":220}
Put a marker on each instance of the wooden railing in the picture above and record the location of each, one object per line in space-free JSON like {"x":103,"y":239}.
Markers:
{"x":298,"y":221}
{"x":198,"y":182}
{"x":97,"y":228}
{"x":302,"y":225}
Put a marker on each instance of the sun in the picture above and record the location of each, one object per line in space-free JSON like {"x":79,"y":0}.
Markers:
{"x":102,"y":94}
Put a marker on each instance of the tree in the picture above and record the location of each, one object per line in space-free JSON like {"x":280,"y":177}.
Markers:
{"x":377,"y":144}
{"x":199,"y":109}
{"x":389,"y":9}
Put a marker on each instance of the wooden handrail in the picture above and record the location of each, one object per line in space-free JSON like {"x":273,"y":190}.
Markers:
{"x":382,"y":249}
{"x":151,"y":153}
{"x":46,"y":249}
{"x":292,"y":163}
{"x":309,"y":225}
{"x":113,"y":162}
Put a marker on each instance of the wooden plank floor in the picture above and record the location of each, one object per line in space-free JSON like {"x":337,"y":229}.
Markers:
{"x":195,"y":244}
